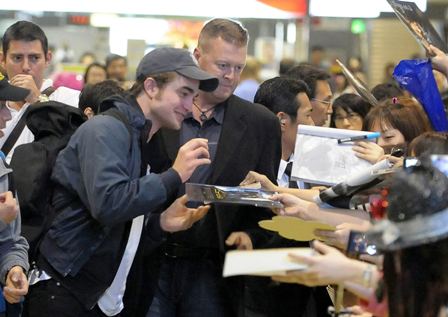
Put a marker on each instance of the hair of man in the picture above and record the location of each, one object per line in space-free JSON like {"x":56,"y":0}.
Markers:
{"x":279,"y":94}
{"x":229,"y":30}
{"x":92,"y":95}
{"x":309,"y":74}
{"x":24,"y":31}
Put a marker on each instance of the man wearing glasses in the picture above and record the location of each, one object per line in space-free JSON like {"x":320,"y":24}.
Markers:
{"x":320,"y":97}
{"x":317,"y":81}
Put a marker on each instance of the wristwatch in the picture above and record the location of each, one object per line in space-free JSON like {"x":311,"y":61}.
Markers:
{"x":43,"y":98}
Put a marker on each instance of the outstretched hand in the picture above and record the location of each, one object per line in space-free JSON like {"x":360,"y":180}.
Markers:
{"x":339,"y":237}
{"x":253,"y":178}
{"x":295,"y":206}
{"x":439,"y":60}
{"x":179,"y":217}
{"x":328,"y":267}
{"x":191,"y":155}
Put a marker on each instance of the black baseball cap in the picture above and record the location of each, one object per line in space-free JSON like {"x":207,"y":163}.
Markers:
{"x":181,"y":61}
{"x":10,"y":92}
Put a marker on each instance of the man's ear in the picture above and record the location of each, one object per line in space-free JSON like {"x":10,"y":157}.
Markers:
{"x":197,"y":53}
{"x":282,"y":117}
{"x":49,"y":57}
{"x":150,"y":87}
{"x":2,"y":59}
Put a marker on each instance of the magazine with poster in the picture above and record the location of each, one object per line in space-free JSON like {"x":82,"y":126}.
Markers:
{"x":230,"y":195}
{"x":418,"y":24}
{"x":358,"y":84}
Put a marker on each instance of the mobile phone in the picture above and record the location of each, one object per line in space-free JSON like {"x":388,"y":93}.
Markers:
{"x":397,"y":152}
{"x":357,"y":245}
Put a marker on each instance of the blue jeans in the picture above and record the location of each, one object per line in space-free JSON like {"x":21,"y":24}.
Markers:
{"x":188,"y":287}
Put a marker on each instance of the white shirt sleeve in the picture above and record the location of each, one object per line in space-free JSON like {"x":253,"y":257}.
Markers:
{"x":66,"y":95}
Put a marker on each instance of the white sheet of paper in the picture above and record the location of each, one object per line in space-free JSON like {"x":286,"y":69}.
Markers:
{"x":319,"y":159}
{"x":264,"y":262}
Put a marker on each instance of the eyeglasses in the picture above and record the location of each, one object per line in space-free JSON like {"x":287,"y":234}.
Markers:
{"x":325,"y":102}
{"x":350,"y":117}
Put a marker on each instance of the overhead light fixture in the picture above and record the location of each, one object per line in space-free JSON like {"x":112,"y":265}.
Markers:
{"x":354,"y":8}
{"x":102,"y":20}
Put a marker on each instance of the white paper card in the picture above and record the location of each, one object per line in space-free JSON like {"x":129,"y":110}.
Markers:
{"x":264,"y":262}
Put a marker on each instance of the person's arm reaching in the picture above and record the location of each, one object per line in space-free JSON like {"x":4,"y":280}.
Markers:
{"x":296,"y":207}
{"x":439,"y":60}
{"x":254,"y":178}
{"x":330,"y":266}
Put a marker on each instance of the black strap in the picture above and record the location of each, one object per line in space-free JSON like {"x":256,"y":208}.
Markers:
{"x":117,"y":114}
{"x":288,"y":170}
{"x":48,"y":91}
{"x":18,"y":129}
{"x":15,"y":133}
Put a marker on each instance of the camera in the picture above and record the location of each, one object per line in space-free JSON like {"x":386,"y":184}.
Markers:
{"x":357,"y":245}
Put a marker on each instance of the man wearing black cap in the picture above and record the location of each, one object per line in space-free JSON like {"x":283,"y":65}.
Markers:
{"x":102,"y":199}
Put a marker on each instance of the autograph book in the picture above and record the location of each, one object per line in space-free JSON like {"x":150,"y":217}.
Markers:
{"x":230,"y":195}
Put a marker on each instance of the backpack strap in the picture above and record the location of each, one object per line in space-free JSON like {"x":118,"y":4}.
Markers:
{"x":15,"y":133}
{"x":18,"y":129}
{"x":48,"y":91}
{"x":117,"y":114}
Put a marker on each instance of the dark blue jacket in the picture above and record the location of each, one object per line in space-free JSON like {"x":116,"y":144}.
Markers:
{"x":99,"y":174}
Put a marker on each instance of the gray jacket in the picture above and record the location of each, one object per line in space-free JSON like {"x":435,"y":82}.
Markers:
{"x":13,"y":247}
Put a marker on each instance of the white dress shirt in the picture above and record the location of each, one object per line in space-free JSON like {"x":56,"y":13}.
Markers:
{"x":282,"y":178}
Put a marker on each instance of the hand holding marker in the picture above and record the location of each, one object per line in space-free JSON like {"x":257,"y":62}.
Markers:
{"x":370,"y":136}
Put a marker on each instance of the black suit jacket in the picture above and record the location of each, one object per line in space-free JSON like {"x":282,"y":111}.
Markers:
{"x":250,"y":140}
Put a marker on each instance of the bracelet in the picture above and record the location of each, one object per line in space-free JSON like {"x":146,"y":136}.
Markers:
{"x":367,"y":276}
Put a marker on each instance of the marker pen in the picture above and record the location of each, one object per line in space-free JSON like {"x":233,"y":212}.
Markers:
{"x":370,"y":136}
